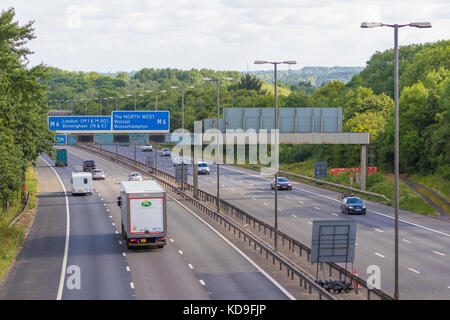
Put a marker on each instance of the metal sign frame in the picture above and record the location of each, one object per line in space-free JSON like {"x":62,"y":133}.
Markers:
{"x":333,"y":241}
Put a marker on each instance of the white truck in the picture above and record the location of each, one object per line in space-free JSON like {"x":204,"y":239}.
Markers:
{"x":143,"y":213}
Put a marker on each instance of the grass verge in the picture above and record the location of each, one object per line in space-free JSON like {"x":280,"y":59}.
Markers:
{"x":436,"y":182}
{"x":11,"y":238}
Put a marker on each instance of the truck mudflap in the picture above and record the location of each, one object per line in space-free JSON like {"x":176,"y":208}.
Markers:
{"x":146,"y":242}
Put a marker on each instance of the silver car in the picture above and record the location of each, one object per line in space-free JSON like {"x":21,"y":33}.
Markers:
{"x":135,"y":176}
{"x":98,"y":174}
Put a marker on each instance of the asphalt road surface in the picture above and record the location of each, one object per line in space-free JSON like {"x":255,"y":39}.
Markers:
{"x":87,"y":259}
{"x":424,"y":242}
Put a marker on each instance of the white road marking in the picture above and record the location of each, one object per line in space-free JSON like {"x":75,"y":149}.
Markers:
{"x":376,"y":212}
{"x":294,"y":215}
{"x":124,"y":254}
{"x":380,"y":255}
{"x":439,"y":253}
{"x":120,"y":242}
{"x":171,"y":240}
{"x":334,"y":214}
{"x":202,"y":282}
{"x":253,"y":198}
{"x":128,"y":268}
{"x":180,"y":252}
{"x":66,"y":245}
{"x":378,"y":230}
{"x":407,"y":241}
{"x":413,"y":270}
{"x":301,"y":202}
{"x":317,"y":208}
{"x":190,"y":266}
{"x":132,"y":285}
{"x":310,"y":222}
{"x":238,"y":250}
{"x":266,"y":203}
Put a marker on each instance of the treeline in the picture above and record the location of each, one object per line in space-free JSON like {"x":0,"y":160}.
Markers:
{"x":24,"y":130}
{"x":367,"y":102}
{"x":316,"y":76}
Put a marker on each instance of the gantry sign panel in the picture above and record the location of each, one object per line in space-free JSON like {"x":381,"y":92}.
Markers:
{"x":118,"y":122}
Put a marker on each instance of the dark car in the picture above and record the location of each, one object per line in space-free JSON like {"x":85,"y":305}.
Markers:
{"x":352,"y":204}
{"x":283,"y":183}
{"x":88,"y":165}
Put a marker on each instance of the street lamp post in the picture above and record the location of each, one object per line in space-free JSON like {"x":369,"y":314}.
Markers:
{"x":217,"y":80}
{"x":396,"y":133}
{"x":275,"y":64}
{"x":182,"y":129}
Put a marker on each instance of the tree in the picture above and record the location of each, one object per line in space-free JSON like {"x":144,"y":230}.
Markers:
{"x":23,"y":110}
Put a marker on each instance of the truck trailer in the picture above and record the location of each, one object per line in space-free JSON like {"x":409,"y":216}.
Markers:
{"x":143,"y":214}
{"x":61,"y":158}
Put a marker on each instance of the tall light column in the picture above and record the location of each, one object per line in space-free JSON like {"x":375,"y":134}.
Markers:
{"x":275,"y":64}
{"x":218,"y":81}
{"x":182,"y":128}
{"x":396,"y":133}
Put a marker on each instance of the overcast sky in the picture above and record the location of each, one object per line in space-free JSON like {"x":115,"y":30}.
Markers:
{"x":113,"y":35}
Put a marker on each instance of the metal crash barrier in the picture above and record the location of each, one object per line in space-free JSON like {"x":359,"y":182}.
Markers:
{"x":287,"y":241}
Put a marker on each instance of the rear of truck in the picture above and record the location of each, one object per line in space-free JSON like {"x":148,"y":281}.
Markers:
{"x":61,"y":158}
{"x":143,"y":213}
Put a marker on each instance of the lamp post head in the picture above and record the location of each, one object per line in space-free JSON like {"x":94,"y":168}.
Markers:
{"x":371,"y":24}
{"x":260,"y":62}
{"x":420,"y":24}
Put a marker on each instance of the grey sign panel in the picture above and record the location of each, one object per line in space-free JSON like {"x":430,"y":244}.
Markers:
{"x":320,"y":169}
{"x":333,"y":241}
{"x":179,"y":171}
{"x":291,"y":120}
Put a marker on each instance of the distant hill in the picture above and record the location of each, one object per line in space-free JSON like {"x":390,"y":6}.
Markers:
{"x":317,"y":76}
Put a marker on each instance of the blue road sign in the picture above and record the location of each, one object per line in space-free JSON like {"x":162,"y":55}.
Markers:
{"x":60,"y":139}
{"x":148,"y":121}
{"x":79,"y":123}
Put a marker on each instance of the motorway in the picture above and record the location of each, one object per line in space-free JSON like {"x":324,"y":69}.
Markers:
{"x":424,"y":242}
{"x":74,"y":250}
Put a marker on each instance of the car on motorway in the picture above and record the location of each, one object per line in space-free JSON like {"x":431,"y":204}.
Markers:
{"x":98,"y":174}
{"x":88,"y":165}
{"x":135,"y":176}
{"x":146,"y":148}
{"x":283,"y":184}
{"x":178,"y":161}
{"x":202,"y":167}
{"x":351,"y":204}
{"x":165,"y":152}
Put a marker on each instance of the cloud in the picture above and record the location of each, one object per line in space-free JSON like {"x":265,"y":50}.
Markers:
{"x":219,"y":34}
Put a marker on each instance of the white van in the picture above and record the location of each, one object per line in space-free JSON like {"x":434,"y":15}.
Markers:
{"x":82,"y":183}
{"x":202,"y":167}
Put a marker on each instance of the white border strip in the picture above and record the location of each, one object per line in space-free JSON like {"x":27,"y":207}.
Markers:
{"x":238,"y":250}
{"x":66,"y":246}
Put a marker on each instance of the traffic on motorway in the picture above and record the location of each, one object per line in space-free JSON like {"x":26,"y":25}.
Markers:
{"x":299,"y":207}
